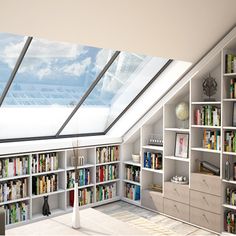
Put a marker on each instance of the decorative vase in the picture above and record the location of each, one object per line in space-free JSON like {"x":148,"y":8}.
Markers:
{"x":76,"y":215}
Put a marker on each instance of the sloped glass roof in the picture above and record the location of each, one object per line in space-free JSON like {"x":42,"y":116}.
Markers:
{"x":62,"y":89}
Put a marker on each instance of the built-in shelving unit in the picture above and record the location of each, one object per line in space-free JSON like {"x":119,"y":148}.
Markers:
{"x":41,"y":166}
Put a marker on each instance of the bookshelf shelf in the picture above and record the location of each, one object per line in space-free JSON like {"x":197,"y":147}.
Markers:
{"x":177,"y":130}
{"x":177,"y":158}
{"x":229,"y":206}
{"x":107,"y":182}
{"x":157,"y":148}
{"x":14,"y":177}
{"x":230,"y":153}
{"x":135,"y":202}
{"x":229,"y":181}
{"x":117,"y":198}
{"x":229,"y":99}
{"x":132,"y":163}
{"x":48,"y":172}
{"x":81,"y":187}
{"x":108,"y":163}
{"x":229,"y":75}
{"x":207,"y":103}
{"x":229,"y":128}
{"x":46,"y":194}
{"x":80,"y":167}
{"x":131,"y":182}
{"x":199,"y":149}
{"x":54,"y":212}
{"x":206,"y":126}
{"x":14,"y":201}
{"x":152,"y":170}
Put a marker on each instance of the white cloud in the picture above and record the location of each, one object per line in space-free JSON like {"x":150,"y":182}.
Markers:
{"x":77,"y":68}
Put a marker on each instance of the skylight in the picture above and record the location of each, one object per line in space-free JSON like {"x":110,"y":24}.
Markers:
{"x":62,"y":89}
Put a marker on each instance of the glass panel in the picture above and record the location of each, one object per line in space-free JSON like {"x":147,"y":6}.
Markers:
{"x":10,"y":48}
{"x":123,"y":81}
{"x":50,"y":82}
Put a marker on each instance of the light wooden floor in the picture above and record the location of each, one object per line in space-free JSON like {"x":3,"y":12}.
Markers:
{"x":147,"y":219}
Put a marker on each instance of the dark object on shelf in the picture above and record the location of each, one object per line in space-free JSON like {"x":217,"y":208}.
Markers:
{"x":2,"y":221}
{"x":209,"y":86}
{"x":234,"y":171}
{"x":209,"y":167}
{"x":155,"y":140}
{"x":227,"y":169}
{"x":46,"y":209}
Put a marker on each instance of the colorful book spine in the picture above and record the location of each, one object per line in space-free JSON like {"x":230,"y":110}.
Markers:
{"x":211,"y":139}
{"x":44,"y":184}
{"x":230,"y":141}
{"x":85,"y":196}
{"x":104,"y":192}
{"x":152,"y":160}
{"x":132,"y":191}
{"x":44,"y":162}
{"x":230,"y":63}
{"x":132,"y":173}
{"x":106,"y":173}
{"x":84,"y":177}
{"x":107,"y":154}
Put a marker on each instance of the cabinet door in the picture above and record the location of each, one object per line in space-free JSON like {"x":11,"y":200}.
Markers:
{"x":152,"y":200}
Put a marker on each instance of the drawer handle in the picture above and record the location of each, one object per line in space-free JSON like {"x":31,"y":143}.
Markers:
{"x":176,"y":191}
{"x":176,"y":208}
{"x":204,"y":181}
{"x":205,"y":218}
{"x":205,"y":200}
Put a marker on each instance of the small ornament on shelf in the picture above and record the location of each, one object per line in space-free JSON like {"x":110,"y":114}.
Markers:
{"x":182,"y":113}
{"x":179,"y":179}
{"x":155,"y":140}
{"x":209,"y":86}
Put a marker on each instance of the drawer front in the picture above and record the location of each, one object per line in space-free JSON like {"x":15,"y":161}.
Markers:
{"x":205,"y":201}
{"x":176,"y":209}
{"x":205,"y":219}
{"x":176,"y":192}
{"x":206,"y":183}
{"x":152,"y":200}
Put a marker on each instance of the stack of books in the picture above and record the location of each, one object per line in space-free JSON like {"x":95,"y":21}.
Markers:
{"x":207,"y":115}
{"x":83,"y":177}
{"x":230,"y":63}
{"x":16,"y":212}
{"x":153,"y":160}
{"x":230,"y":221}
{"x":230,"y":141}
{"x":104,"y":192}
{"x":132,"y":173}
{"x":106,"y":172}
{"x":16,"y":166}
{"x":85,"y":196}
{"x":44,"y":184}
{"x":44,"y":162}
{"x":107,"y":154}
{"x":211,"y":139}
{"x":132,"y":191}
{"x":14,"y":189}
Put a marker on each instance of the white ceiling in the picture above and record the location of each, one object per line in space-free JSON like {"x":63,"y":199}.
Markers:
{"x":177,"y":29}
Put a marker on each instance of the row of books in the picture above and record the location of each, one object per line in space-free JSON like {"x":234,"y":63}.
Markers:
{"x":16,"y":166}
{"x":16,"y":212}
{"x":107,"y":154}
{"x":44,"y":162}
{"x":104,"y":192}
{"x":230,"y":222}
{"x":207,"y":115}
{"x":83,"y":177}
{"x":153,"y":160}
{"x":232,"y":88}
{"x":14,"y":189}
{"x":132,"y":173}
{"x":231,"y":196}
{"x":44,"y":184}
{"x":230,"y":63}
{"x":230,"y":141}
{"x":85,"y":196}
{"x":211,"y":139}
{"x":132,"y":191}
{"x":106,"y":172}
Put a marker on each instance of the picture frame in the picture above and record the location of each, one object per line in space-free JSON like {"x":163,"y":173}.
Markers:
{"x":234,"y":114}
{"x":181,"y":145}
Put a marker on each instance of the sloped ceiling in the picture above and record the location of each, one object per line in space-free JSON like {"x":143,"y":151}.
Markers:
{"x":177,"y":29}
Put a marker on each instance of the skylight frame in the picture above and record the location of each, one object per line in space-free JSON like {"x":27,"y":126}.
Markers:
{"x":83,"y":98}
